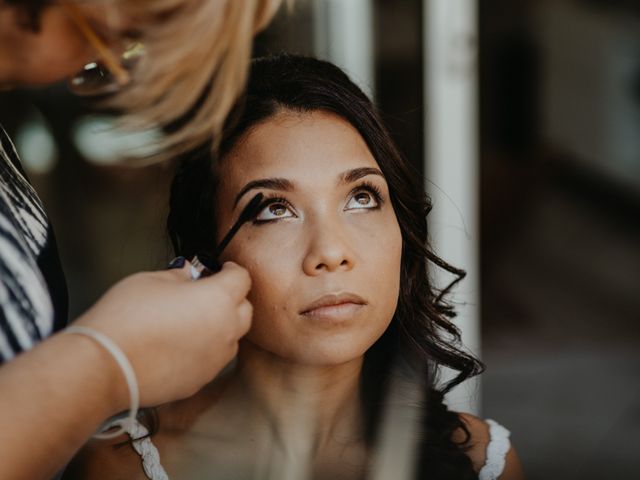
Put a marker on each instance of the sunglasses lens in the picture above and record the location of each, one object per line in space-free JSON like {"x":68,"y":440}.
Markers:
{"x":96,"y":79}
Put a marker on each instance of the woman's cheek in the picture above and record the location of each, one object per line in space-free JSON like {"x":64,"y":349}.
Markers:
{"x":268,"y":269}
{"x":389,"y":254}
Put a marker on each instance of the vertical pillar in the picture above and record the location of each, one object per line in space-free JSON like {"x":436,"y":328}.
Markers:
{"x":343,"y":34}
{"x":451,"y":162}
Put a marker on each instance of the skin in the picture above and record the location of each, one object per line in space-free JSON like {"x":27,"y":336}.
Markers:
{"x":327,"y":243}
{"x":55,"y":396}
{"x":335,"y":237}
{"x":58,"y":50}
{"x":294,"y":391}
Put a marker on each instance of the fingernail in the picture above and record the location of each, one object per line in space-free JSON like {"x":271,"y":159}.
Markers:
{"x":177,"y":262}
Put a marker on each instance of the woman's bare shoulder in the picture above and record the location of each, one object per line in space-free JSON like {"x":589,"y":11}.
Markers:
{"x":116,"y":459}
{"x":105,"y":460}
{"x":480,"y":437}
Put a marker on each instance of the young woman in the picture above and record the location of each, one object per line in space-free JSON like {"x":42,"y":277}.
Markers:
{"x":342,"y":302}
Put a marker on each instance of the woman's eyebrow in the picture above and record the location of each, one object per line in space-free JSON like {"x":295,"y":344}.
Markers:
{"x":351,"y":176}
{"x":270,"y":183}
{"x":286,"y":185}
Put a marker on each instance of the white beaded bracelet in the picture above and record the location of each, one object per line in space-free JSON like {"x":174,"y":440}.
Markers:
{"x":129,"y":375}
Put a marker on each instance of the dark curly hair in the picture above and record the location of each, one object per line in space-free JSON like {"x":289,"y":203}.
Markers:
{"x":421,"y":332}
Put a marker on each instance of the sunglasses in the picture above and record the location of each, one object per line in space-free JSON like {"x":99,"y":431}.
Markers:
{"x":110,"y":72}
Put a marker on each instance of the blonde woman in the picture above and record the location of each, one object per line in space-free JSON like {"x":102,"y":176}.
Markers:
{"x":157,"y":57}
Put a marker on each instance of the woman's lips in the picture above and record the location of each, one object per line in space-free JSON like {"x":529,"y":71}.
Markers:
{"x":334,"y":306}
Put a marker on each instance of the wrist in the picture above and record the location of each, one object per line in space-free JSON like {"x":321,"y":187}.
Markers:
{"x":100,"y":373}
{"x":125,"y":366}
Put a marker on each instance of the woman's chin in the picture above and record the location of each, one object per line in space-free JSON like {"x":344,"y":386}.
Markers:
{"x":330,"y":354}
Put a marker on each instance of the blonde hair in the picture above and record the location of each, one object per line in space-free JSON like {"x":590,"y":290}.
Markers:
{"x":197,"y":51}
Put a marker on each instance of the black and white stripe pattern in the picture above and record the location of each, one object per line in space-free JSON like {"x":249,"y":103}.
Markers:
{"x":26,"y":309}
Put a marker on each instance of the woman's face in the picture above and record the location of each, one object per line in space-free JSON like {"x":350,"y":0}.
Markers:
{"x":58,"y":49}
{"x":324,"y":254}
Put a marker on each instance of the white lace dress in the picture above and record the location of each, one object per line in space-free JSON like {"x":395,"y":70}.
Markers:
{"x":497,"y":449}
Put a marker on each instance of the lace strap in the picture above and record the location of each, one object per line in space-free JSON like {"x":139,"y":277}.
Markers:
{"x":145,"y":448}
{"x":497,"y":449}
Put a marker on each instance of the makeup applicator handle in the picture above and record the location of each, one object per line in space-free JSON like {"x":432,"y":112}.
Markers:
{"x":203,"y":264}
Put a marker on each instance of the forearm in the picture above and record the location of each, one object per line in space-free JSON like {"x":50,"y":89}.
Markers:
{"x":52,"y":399}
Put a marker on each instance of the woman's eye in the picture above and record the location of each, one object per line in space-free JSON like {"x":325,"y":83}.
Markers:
{"x":362,"y":199}
{"x":274,"y":211}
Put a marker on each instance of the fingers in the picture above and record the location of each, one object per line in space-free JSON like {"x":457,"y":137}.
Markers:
{"x":234,"y":279}
{"x":177,"y":262}
{"x":183,"y":268}
{"x":180,"y":267}
{"x":245,"y":313}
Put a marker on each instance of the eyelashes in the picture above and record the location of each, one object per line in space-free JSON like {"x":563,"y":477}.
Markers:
{"x":371,"y":188}
{"x":278,"y":208}
{"x":273,"y":206}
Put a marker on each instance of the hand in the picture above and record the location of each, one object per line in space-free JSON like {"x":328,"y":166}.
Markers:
{"x":177,"y":333}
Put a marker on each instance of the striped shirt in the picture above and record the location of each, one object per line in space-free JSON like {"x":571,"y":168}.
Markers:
{"x":33,"y":294}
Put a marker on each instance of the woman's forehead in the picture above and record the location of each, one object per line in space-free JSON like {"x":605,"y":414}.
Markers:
{"x":293,"y":144}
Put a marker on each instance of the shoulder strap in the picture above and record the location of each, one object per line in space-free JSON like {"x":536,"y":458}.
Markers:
{"x":141,"y":442}
{"x":497,"y":449}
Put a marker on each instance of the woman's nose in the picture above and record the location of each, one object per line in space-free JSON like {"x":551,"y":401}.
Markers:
{"x":329,"y":249}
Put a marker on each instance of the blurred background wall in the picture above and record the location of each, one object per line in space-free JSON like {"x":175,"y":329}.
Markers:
{"x":558,"y":204}
{"x":560,"y":255}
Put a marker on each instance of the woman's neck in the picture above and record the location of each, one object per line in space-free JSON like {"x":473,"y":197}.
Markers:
{"x":289,"y":418}
{"x":307,"y":407}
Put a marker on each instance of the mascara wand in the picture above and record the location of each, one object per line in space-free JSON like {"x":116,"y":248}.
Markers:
{"x":205,"y":264}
